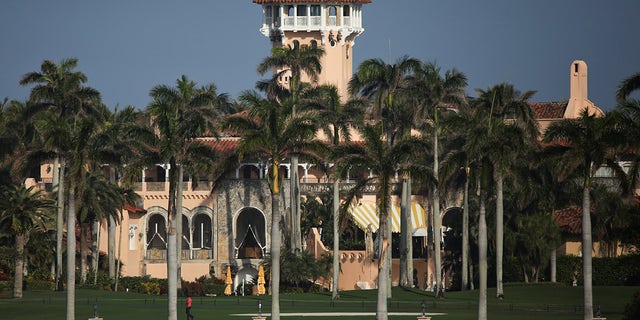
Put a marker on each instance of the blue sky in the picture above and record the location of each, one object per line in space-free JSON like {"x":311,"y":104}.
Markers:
{"x":126,"y":47}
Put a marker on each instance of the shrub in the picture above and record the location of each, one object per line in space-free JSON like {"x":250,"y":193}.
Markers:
{"x":38,"y":285}
{"x":632,"y":310}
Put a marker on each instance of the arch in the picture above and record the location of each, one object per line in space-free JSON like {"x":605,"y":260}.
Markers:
{"x":156,"y":234}
{"x":250,"y":233}
{"x":296,"y":44}
{"x":314,"y":44}
{"x":250,"y":171}
{"x":333,"y":11}
{"x":452,"y":217}
{"x":202,"y":237}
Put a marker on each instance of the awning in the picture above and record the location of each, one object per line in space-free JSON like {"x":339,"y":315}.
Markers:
{"x":365,"y":216}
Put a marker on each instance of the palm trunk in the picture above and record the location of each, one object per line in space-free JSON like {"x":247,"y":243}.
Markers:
{"x":436,"y":219}
{"x":404,"y":281}
{"x":19,"y":266}
{"x":172,"y":253}
{"x":336,"y":240}
{"x":119,"y":255}
{"x":499,"y":233}
{"x":84,"y":250}
{"x":383,"y":269}
{"x":71,"y":255}
{"x":111,"y":234}
{"x":59,"y":222}
{"x":552,"y":265}
{"x":95,"y":250}
{"x":388,"y":257}
{"x":465,"y":233}
{"x":587,"y":252}
{"x":178,"y":224}
{"x":296,"y":233}
{"x":482,"y":252}
{"x":409,"y":238}
{"x":275,"y":244}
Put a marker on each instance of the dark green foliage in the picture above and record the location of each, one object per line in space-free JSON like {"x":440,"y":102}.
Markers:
{"x":616,"y":271}
{"x":632,"y":310}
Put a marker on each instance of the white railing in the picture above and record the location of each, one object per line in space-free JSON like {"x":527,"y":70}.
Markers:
{"x":333,"y":21}
{"x":302,"y":21}
{"x":316,"y":21}
{"x":288,"y":21}
{"x":346,"y":21}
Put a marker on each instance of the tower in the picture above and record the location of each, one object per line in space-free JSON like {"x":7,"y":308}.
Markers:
{"x":578,"y":92}
{"x":331,"y":24}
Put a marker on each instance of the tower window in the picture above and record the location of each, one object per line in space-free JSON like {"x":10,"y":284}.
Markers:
{"x":575,"y":67}
{"x":302,"y":10}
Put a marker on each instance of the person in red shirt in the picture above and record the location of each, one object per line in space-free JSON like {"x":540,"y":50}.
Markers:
{"x":189,"y":304}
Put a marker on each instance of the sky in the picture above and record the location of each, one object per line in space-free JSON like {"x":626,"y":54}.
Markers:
{"x":127,"y":47}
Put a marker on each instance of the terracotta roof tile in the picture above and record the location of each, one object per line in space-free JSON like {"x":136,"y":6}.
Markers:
{"x":223,"y":145}
{"x":549,"y":110}
{"x":569,"y":219}
{"x":131,"y":208}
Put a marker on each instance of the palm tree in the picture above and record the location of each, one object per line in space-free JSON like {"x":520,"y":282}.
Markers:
{"x":22,"y":211}
{"x":67,"y":106}
{"x":180,"y":115}
{"x":582,"y":144}
{"x":296,"y":61}
{"x":374,"y":155}
{"x":504,"y":102}
{"x":627,"y":87}
{"x":337,"y":120}
{"x":433,"y":93}
{"x":269,"y":131}
{"x":381,"y":82}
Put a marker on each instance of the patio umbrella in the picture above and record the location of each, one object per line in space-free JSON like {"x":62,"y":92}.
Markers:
{"x":261,"y":289}
{"x":228,"y":281}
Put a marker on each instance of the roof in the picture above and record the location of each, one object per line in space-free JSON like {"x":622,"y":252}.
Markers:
{"x":310,"y":1}
{"x":549,"y":110}
{"x":222,"y":145}
{"x":569,"y":219}
{"x":131,"y":208}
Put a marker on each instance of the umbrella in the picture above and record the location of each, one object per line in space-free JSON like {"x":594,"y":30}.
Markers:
{"x":228,"y":281}
{"x":261,"y":280}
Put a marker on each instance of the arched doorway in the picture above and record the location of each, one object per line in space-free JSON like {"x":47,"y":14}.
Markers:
{"x":250,"y":234}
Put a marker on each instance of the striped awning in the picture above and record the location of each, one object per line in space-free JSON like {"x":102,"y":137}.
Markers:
{"x":366,"y":214}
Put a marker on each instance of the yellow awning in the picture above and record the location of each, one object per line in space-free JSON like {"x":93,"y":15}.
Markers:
{"x":366,"y":214}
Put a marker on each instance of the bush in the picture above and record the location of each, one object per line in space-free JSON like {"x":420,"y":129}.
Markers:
{"x":38,"y":285}
{"x":632,"y":310}
{"x":568,"y":269}
{"x":616,"y":271}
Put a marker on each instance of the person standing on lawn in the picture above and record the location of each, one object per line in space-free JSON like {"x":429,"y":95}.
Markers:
{"x":189,"y":304}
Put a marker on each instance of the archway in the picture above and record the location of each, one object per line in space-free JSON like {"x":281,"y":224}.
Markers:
{"x":250,"y":234}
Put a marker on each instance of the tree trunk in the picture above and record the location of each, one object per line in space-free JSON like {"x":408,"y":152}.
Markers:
{"x":95,"y":250}
{"x":465,"y":234}
{"x":84,"y":251}
{"x":499,"y":232}
{"x":71,"y":255}
{"x":119,"y":254}
{"x":404,"y":226}
{"x":552,"y":265}
{"x":172,"y":251}
{"x":275,"y":256}
{"x":336,"y":240}
{"x":178,"y":224}
{"x":409,"y":239}
{"x":296,"y":233}
{"x":587,"y":252}
{"x":389,"y":254}
{"x":383,"y":270}
{"x":59,"y":222}
{"x":482,"y":252}
{"x":436,"y":220}
{"x":111,"y":234}
{"x":19,"y":266}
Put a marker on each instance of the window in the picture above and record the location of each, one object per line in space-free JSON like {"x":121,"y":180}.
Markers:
{"x":332,"y":11}
{"x":296,"y":44}
{"x":201,"y":232}
{"x":289,"y":10}
{"x":314,"y":44}
{"x":302,"y":10}
{"x":269,"y":11}
{"x":156,"y":233}
{"x":346,"y":11}
{"x":315,"y":10}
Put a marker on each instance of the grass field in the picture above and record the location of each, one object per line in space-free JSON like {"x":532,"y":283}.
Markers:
{"x":540,"y":301}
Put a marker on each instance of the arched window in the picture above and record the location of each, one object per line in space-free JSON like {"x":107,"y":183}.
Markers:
{"x":345,"y":11}
{"x":302,"y":10}
{"x":202,"y":231}
{"x":289,"y":10}
{"x":332,"y":11}
{"x":296,"y":44}
{"x":314,"y":44}
{"x":156,"y":242}
{"x":250,"y":234}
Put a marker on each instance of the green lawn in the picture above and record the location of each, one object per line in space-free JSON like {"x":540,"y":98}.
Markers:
{"x":522,"y":302}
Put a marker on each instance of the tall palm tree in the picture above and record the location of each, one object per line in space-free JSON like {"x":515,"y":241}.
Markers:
{"x":582,"y":144}
{"x":337,"y":121}
{"x":381,"y":82}
{"x":179,"y":115}
{"x":374,"y":155}
{"x":22,"y":211}
{"x":504,"y":102}
{"x":433,"y":93}
{"x":269,"y":131}
{"x":295,"y":61}
{"x":67,"y":106}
